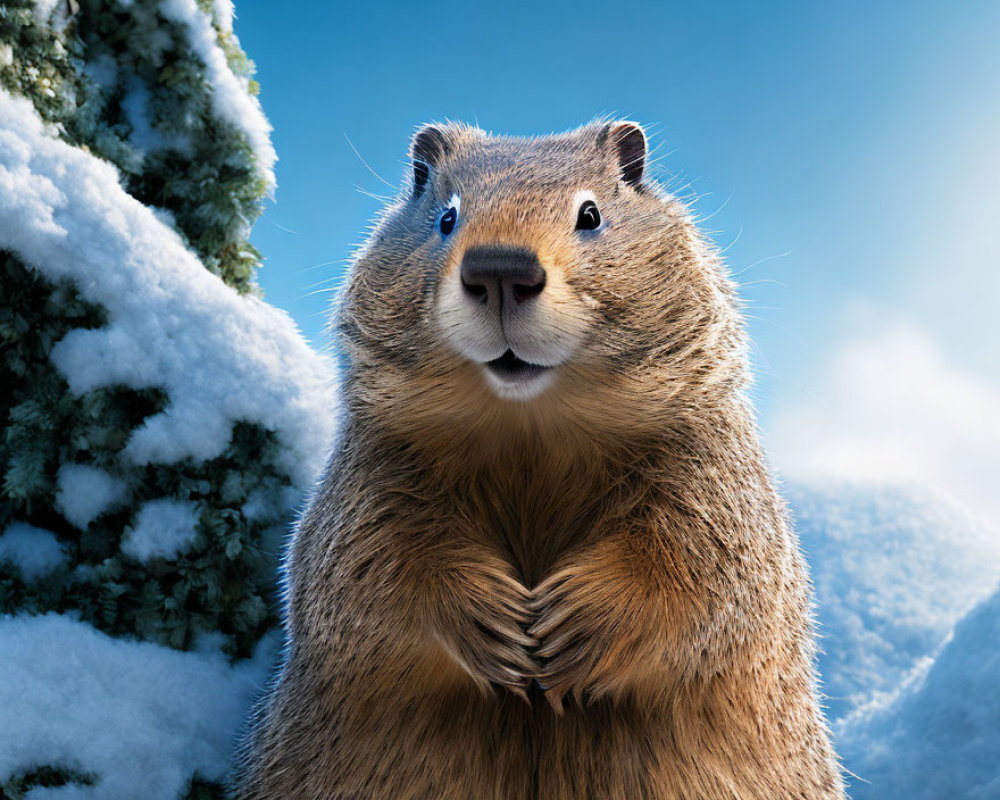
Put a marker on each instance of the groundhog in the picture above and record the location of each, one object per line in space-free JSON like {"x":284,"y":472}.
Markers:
{"x":546,"y":560}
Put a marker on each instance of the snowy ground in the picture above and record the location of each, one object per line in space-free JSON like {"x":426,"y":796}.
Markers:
{"x":909,"y":610}
{"x":938,"y":735}
{"x":140,"y":717}
{"x":894,"y":567}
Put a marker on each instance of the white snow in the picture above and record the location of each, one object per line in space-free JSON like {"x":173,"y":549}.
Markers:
{"x":940,"y":735}
{"x":140,"y":716}
{"x":145,"y":136}
{"x":35,"y":552}
{"x":163,"y":529}
{"x":224,"y":12}
{"x":86,"y":492}
{"x":894,"y":567}
{"x":221,"y":357}
{"x":259,"y":505}
{"x":135,"y":104}
{"x":230,"y":95}
{"x":42,"y":9}
{"x":56,"y":13}
{"x":231,"y":98}
{"x":914,"y":674}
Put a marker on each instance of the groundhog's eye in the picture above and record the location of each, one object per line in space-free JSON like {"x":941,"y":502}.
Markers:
{"x":450,"y":216}
{"x":588,"y":218}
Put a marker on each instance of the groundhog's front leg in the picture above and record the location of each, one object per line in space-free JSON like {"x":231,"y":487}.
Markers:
{"x":602,"y":622}
{"x":479,"y":614}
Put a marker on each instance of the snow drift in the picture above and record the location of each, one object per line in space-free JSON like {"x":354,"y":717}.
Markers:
{"x":138,"y":717}
{"x":938,"y":736}
{"x":912,"y":674}
{"x":894,"y":567}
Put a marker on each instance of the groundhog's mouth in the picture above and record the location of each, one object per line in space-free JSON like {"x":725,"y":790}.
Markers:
{"x":511,"y":368}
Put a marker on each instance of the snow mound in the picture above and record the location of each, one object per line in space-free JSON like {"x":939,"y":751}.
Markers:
{"x":86,"y":492}
{"x":894,"y":567}
{"x":137,"y":716}
{"x":35,"y":552}
{"x":163,"y":529}
{"x":939,"y":736}
{"x":220,"y":356}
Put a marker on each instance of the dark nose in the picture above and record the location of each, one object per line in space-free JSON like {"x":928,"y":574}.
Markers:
{"x":495,"y":273}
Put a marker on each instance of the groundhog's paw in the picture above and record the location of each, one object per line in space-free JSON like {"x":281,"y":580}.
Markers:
{"x":586,"y":644}
{"x":488,"y":632}
{"x":567,"y":627}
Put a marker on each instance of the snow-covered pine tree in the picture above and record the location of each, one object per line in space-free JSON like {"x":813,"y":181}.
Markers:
{"x":160,"y":422}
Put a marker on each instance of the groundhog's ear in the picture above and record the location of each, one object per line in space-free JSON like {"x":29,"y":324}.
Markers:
{"x":428,"y":147}
{"x":628,"y":141}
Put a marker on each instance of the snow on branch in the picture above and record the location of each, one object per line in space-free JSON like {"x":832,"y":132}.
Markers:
{"x":221,"y":357}
{"x":231,"y":97}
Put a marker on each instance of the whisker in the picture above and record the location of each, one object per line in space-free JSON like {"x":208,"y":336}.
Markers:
{"x":367,"y":165}
{"x":278,"y":225}
{"x":760,"y":261}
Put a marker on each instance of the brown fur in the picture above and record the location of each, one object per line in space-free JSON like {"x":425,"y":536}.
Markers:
{"x":617,"y":538}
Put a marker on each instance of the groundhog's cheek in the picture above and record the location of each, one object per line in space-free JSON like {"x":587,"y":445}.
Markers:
{"x":552,"y":330}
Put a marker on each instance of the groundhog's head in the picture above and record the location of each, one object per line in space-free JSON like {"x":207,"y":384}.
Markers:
{"x":536,"y":278}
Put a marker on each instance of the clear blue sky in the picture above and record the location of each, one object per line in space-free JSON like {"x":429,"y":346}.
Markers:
{"x":847,"y":154}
